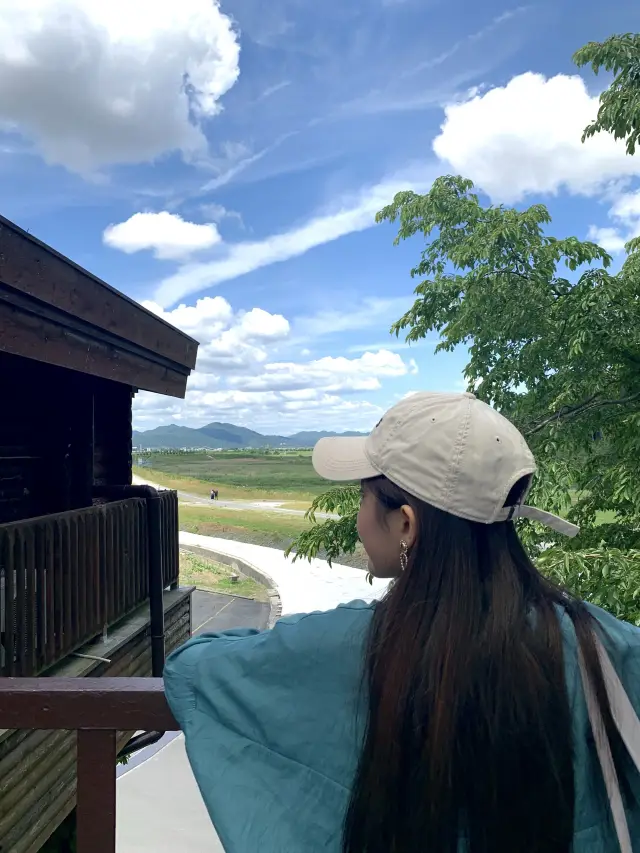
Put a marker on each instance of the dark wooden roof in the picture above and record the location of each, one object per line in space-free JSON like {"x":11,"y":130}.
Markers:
{"x":52,"y":310}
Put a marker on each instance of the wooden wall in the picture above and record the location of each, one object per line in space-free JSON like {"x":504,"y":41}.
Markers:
{"x":112,"y":434}
{"x":37,"y":769}
{"x":60,"y":432}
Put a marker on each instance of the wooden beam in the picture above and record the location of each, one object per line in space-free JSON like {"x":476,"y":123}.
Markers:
{"x":41,"y":339}
{"x":30,"y":266}
{"x":122,"y":704}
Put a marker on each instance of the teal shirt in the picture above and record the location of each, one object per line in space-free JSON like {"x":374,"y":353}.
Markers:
{"x":274,"y":720}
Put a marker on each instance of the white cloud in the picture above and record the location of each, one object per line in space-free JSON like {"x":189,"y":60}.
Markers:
{"x":332,"y":374}
{"x":395,"y":345}
{"x":355,"y":213}
{"x":367,"y":312}
{"x":525,"y":137}
{"x":98,"y":83}
{"x":625,"y":213}
{"x":240,"y":376}
{"x":218,"y":213}
{"x":271,"y":90}
{"x":168,"y":234}
{"x":236,"y":158}
{"x":229,"y":341}
{"x":609,"y":238}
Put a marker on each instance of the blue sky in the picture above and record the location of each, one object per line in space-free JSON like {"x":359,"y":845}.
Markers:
{"x":223,"y":164}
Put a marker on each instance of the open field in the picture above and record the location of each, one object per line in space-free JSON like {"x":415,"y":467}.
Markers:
{"x":241,"y":476}
{"x":257,"y":527}
{"x":215,"y":577}
{"x":224,"y":522}
{"x":287,"y":478}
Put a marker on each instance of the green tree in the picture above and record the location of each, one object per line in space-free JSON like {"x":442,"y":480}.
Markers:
{"x":554,"y":343}
{"x":619,"y":112}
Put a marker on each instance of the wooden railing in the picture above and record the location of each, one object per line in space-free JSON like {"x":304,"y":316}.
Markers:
{"x":96,"y":708}
{"x":169,"y":531}
{"x":65,"y":578}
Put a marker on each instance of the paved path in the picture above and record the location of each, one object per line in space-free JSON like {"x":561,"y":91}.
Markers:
{"x":252,"y":506}
{"x":214,"y":612}
{"x":303,"y":586}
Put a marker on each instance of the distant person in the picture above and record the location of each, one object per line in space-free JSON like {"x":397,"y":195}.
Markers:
{"x":450,"y":716}
{"x":214,"y":494}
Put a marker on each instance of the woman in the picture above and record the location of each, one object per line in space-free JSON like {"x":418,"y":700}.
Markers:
{"x":449,"y":716}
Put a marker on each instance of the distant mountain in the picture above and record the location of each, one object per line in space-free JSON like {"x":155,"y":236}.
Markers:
{"x":225,"y":436}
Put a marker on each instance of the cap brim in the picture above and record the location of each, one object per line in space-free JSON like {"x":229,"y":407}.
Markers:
{"x":342,"y":458}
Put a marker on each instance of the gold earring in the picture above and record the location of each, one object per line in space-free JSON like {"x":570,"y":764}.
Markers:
{"x":404,"y":556}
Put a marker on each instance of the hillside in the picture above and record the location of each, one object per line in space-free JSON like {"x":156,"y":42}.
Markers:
{"x":226,"y":436}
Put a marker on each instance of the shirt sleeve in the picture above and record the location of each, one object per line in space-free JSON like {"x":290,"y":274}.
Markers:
{"x":271,"y":724}
{"x":179,"y":671}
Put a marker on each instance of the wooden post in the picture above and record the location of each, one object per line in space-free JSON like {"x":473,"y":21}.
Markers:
{"x":96,"y":809}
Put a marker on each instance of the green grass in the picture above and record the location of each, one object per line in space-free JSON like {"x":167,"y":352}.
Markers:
{"x":274,"y":530}
{"x":264,"y":528}
{"x":215,"y":577}
{"x":286,"y":476}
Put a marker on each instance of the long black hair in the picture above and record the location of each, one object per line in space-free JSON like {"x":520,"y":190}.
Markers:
{"x":469,"y":726}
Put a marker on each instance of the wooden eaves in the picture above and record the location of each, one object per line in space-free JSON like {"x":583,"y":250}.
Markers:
{"x":54,"y":311}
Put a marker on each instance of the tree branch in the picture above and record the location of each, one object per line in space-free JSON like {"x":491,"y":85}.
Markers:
{"x":580,"y":408}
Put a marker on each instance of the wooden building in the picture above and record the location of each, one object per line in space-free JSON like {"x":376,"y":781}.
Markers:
{"x":88,"y":562}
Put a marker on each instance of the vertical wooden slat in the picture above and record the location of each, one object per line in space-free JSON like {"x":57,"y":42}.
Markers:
{"x":126,"y":562}
{"x":145,"y":551}
{"x":135,"y":545}
{"x":165,"y":542}
{"x":9,"y":610}
{"x":50,"y":551}
{"x":87,"y":624}
{"x":20,"y":604}
{"x":113,"y":561}
{"x":103,"y":591}
{"x":84,"y":624}
{"x":175,"y":526}
{"x":124,"y":568}
{"x":74,"y":581}
{"x":67,"y":611}
{"x":96,"y":809}
{"x":41,"y":595}
{"x":144,"y":548}
{"x":110,"y":567}
{"x":93,"y":582}
{"x":130,"y":569}
{"x":117,"y":530}
{"x":30,"y":602}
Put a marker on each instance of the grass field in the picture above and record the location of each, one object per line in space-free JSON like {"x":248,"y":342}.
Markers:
{"x":208,"y":574}
{"x":271,"y":529}
{"x":286,"y":476}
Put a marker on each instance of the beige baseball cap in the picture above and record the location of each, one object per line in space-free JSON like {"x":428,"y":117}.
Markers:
{"x":452,"y":451}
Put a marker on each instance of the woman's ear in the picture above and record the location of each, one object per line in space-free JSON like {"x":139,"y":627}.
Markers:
{"x":409,"y":524}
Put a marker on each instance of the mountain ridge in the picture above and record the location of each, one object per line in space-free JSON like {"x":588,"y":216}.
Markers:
{"x":225,"y":436}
